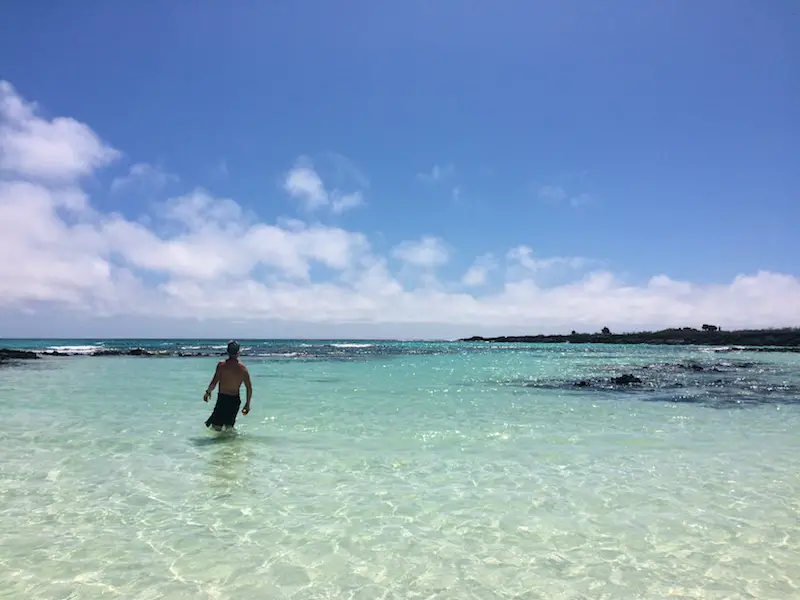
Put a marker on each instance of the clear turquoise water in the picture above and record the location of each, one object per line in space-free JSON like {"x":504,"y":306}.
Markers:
{"x":406,"y":470}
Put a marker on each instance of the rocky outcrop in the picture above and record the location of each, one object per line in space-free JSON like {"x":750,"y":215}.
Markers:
{"x":762,"y":340}
{"x":129,"y":352}
{"x":8,"y":354}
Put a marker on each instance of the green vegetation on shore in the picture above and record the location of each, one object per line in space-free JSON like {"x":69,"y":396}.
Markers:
{"x":708,"y":336}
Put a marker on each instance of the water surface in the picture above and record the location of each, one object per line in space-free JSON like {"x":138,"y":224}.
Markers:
{"x":402,"y":470}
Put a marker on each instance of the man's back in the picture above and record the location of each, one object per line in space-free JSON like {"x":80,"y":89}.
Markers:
{"x":232,"y":374}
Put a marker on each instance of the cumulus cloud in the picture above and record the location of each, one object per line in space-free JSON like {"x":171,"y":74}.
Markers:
{"x":32,"y":146}
{"x":427,"y":252}
{"x":304,"y":184}
{"x":344,"y":202}
{"x":523,"y":257}
{"x":478,"y":273}
{"x":204,"y":257}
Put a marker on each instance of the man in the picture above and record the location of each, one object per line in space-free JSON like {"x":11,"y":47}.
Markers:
{"x":230,"y":374}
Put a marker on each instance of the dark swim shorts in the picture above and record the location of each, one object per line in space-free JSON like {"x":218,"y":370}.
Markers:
{"x":225,"y":411}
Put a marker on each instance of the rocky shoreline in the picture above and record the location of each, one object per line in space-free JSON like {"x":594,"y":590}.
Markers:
{"x":7,"y":354}
{"x":752,"y":340}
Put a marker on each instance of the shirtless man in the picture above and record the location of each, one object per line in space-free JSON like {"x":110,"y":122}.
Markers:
{"x":230,"y":375}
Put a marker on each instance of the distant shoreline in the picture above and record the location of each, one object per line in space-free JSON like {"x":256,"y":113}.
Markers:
{"x":787,"y":339}
{"x":753,"y":340}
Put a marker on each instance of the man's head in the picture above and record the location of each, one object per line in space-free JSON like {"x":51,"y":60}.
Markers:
{"x":233,"y":349}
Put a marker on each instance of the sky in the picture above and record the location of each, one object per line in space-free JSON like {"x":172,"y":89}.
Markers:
{"x":410,"y":169}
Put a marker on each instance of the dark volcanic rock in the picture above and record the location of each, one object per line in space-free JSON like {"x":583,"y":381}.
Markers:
{"x":760,"y":340}
{"x":621,"y":380}
{"x":7,"y":353}
{"x":626,"y":379}
{"x":723,"y":384}
{"x":130,"y":352}
{"x":139,"y":352}
{"x":719,"y":367}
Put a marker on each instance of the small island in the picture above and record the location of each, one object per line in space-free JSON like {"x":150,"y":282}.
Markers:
{"x":787,"y":339}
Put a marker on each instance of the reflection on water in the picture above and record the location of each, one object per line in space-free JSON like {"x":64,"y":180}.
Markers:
{"x":227,"y":456}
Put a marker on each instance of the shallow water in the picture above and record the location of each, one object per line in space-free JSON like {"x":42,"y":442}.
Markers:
{"x":403,"y":471}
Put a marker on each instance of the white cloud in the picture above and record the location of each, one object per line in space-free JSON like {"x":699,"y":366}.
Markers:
{"x":340,"y":204}
{"x":204,"y":257}
{"x":428,"y":252}
{"x":478,"y":273}
{"x":144,"y":175}
{"x":523,"y":257}
{"x":303,"y":183}
{"x":42,"y":258}
{"x":59,"y":149}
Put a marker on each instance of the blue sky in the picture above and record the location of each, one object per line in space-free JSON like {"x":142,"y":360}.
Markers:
{"x":658,"y":138}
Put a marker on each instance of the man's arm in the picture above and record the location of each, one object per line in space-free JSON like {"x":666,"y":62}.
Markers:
{"x":213,"y":383}
{"x":249,"y":387}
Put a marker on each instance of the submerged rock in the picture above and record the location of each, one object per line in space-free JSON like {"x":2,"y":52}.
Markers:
{"x":626,"y":379}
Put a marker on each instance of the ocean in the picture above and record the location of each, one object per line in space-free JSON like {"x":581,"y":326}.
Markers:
{"x":403,"y":470}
